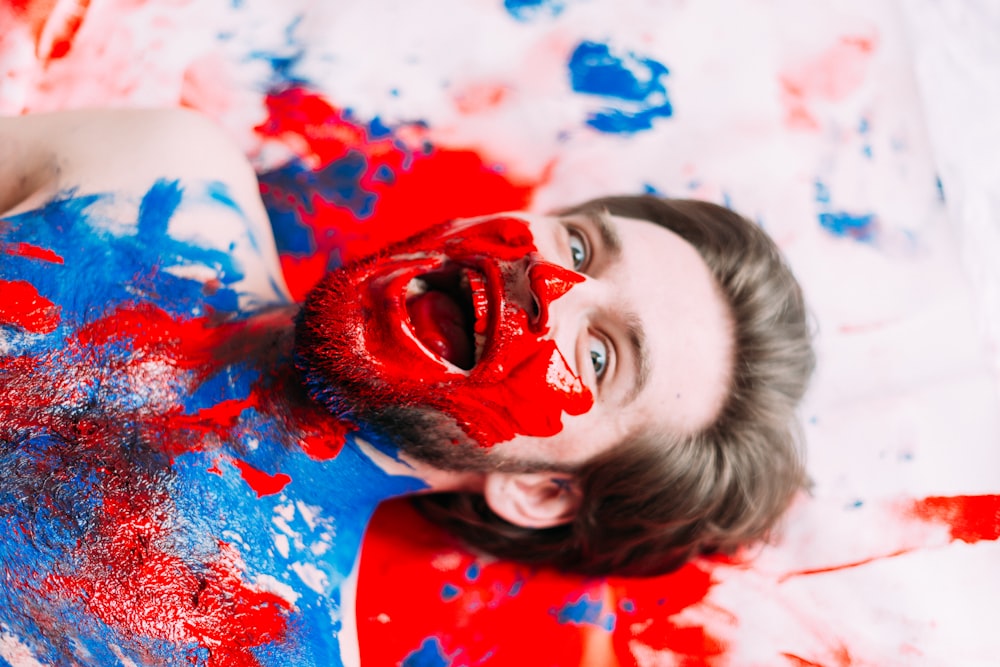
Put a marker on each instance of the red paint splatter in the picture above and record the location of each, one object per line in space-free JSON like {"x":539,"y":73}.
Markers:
{"x":426,"y":188}
{"x":262,"y":483}
{"x":21,"y":305}
{"x":480,"y":97}
{"x":55,"y":33}
{"x":828,"y":77}
{"x":32,"y":252}
{"x":843,"y":566}
{"x":971,"y":518}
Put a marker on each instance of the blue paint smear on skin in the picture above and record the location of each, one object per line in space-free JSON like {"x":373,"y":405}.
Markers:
{"x":449,"y":592}
{"x":472,"y":573}
{"x":430,"y":654}
{"x":586,"y":611}
{"x":528,"y":10}
{"x":106,"y":267}
{"x":121,"y":267}
{"x":634,"y":82}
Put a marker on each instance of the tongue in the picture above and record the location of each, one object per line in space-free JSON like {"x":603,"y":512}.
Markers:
{"x":440,"y":326}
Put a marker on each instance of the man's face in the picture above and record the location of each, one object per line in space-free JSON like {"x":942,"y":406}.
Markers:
{"x":540,"y":339}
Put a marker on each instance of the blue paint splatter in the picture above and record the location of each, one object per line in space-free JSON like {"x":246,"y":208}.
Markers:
{"x":858,"y":226}
{"x":472,"y":573}
{"x":586,"y":611}
{"x":288,"y":193}
{"x":634,"y":82}
{"x":840,"y":223}
{"x":528,"y":10}
{"x":449,"y":592}
{"x":430,"y":654}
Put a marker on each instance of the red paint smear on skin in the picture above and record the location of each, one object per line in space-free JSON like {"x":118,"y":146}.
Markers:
{"x":427,"y":187}
{"x":21,"y":305}
{"x":828,"y":77}
{"x":33,"y":252}
{"x":971,"y":518}
{"x":134,"y":586}
{"x":261,"y":482}
{"x":522,"y":384}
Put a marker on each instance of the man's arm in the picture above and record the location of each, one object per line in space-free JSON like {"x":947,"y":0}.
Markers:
{"x":123,"y":153}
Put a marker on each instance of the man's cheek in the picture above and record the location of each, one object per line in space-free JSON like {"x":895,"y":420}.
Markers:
{"x":529,"y":398}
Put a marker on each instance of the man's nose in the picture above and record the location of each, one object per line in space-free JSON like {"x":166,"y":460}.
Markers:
{"x":546,"y":282}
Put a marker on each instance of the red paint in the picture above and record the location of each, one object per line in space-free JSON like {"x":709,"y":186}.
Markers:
{"x":21,"y":305}
{"x":520,"y":385}
{"x":830,"y":76}
{"x":33,"y":252}
{"x":842,"y":566}
{"x":427,"y":187}
{"x":262,"y":483}
{"x":655,"y":602}
{"x":140,"y":590}
{"x":971,"y":518}
{"x":508,"y":614}
{"x":54,"y":38}
{"x":480,"y":97}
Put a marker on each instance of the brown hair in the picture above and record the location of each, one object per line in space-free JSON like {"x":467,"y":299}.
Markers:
{"x":650,"y":504}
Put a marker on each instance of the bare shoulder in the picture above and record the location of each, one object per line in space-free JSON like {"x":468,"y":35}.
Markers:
{"x":123,"y":155}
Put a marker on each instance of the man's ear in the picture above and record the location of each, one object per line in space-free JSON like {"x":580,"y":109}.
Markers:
{"x":532,"y":500}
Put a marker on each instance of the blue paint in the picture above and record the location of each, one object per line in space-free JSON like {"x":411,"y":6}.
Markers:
{"x":585,"y":611}
{"x":528,"y":10}
{"x":205,"y":498}
{"x":940,"y":188}
{"x":158,"y":205}
{"x":430,"y":654}
{"x":627,"y":606}
{"x":288,"y":191}
{"x":858,"y":226}
{"x":822,"y":193}
{"x":472,"y":573}
{"x":119,"y":267}
{"x":650,"y":189}
{"x":449,"y":592}
{"x":384,"y":174}
{"x":841,"y":223}
{"x":377,"y":129}
{"x":635,"y":85}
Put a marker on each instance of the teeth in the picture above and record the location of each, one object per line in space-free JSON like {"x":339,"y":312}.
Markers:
{"x":476,"y":285}
{"x":416,"y":287}
{"x":477,"y":288}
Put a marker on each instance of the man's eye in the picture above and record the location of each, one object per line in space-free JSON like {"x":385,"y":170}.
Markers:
{"x":598,"y":356}
{"x":577,"y":250}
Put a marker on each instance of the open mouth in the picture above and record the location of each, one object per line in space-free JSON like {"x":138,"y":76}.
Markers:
{"x":448,"y":314}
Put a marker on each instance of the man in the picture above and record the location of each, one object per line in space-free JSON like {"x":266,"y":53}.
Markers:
{"x":189,"y":460}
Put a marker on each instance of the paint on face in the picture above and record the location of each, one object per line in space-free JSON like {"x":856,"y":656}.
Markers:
{"x":453,"y":321}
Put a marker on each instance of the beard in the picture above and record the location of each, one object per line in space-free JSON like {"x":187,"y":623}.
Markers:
{"x":445,"y":393}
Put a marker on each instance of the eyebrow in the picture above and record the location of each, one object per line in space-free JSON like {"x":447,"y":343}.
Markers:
{"x":640,"y":356}
{"x":611,"y":246}
{"x":611,"y":242}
